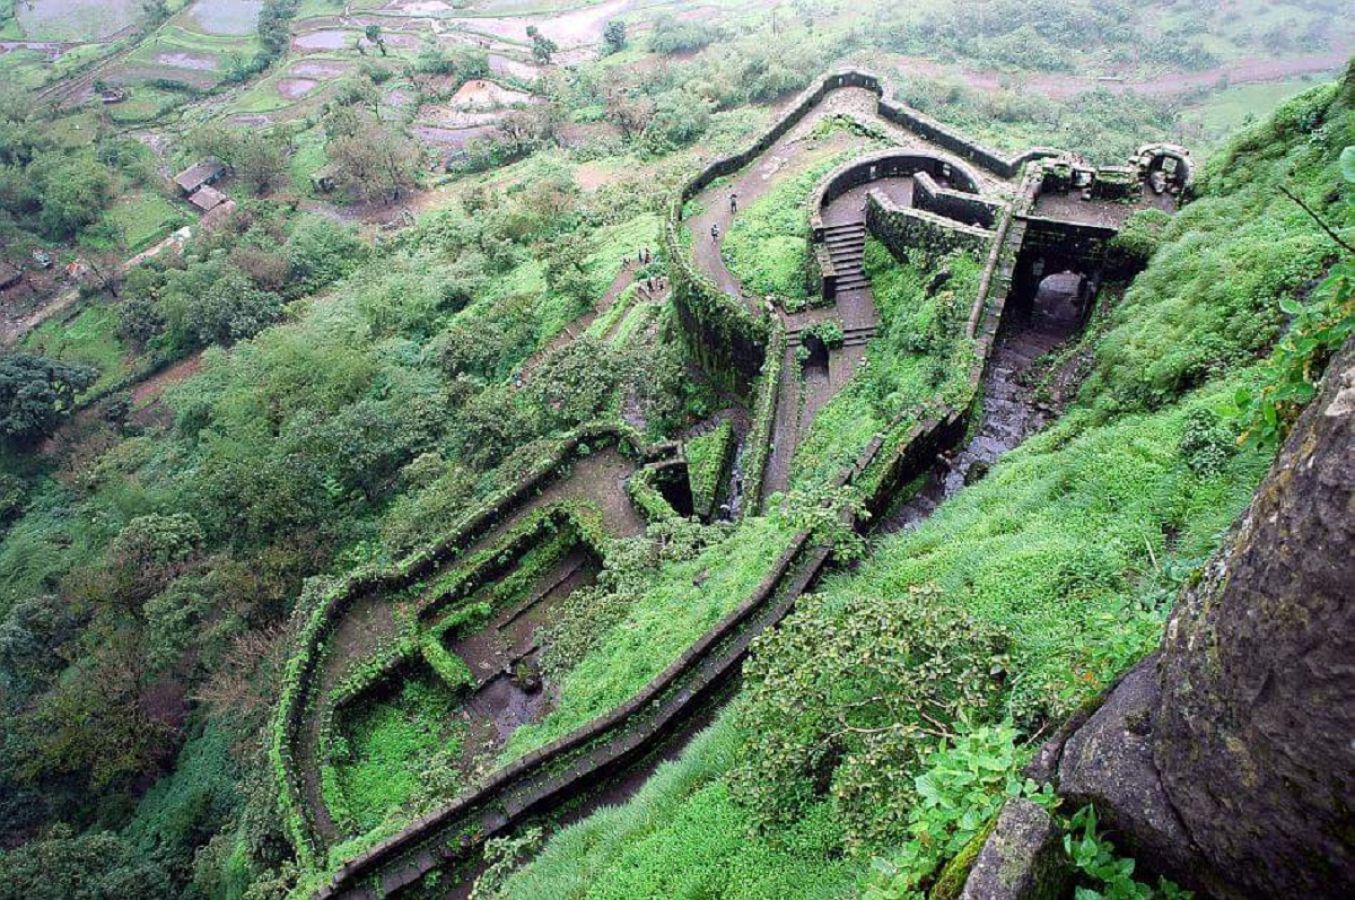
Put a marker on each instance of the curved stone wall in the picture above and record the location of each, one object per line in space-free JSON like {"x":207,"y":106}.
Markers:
{"x":891,"y":163}
{"x":723,"y":334}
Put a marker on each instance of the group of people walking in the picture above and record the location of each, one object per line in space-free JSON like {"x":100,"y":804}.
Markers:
{"x":733,"y":208}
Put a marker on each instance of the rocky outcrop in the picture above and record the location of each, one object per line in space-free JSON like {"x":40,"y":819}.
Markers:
{"x":1227,"y":760}
{"x":1253,"y":737}
{"x":1109,"y":762}
{"x":1021,"y":860}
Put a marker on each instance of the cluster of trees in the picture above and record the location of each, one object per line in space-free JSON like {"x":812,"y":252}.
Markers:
{"x":465,"y":63}
{"x":257,"y":156}
{"x":372,"y":159}
{"x":672,"y":35}
{"x":56,"y":190}
{"x":543,"y":48}
{"x":613,"y":37}
{"x":232,"y":282}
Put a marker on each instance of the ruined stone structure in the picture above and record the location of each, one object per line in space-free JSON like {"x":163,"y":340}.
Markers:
{"x":958,"y":193}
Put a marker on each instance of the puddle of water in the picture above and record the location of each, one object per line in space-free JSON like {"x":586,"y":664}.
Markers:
{"x":295,"y":88}
{"x":507,"y":705}
{"x":319,"y":69}
{"x":198,"y":61}
{"x":323,"y":40}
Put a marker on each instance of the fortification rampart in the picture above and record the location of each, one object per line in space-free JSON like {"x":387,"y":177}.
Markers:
{"x":725,"y":336}
{"x":902,"y":228}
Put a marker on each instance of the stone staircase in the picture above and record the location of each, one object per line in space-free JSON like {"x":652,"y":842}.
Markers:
{"x":851,"y":337}
{"x":847,"y":248}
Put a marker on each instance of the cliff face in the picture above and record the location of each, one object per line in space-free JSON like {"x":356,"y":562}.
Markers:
{"x":1227,"y":760}
{"x":1254,"y":737}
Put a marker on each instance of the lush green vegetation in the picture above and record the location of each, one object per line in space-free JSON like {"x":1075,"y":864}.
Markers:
{"x":391,"y":752}
{"x":682,"y":836}
{"x":920,"y":360}
{"x":354,"y":389}
{"x":662,"y":612}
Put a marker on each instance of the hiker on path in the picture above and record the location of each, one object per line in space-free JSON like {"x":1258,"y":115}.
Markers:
{"x":733,"y":202}
{"x":715,"y":232}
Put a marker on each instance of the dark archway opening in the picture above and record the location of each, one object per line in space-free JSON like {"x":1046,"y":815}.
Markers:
{"x":814,"y":361}
{"x":675,"y":487}
{"x":1051,"y":293}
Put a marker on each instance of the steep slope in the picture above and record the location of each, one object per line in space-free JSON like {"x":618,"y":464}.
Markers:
{"x":1069,"y":553}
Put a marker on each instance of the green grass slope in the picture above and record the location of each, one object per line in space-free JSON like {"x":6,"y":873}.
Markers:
{"x":1062,"y":564}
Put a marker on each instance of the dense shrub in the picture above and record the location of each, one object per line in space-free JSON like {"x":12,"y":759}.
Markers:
{"x":829,"y":721}
{"x":36,"y":393}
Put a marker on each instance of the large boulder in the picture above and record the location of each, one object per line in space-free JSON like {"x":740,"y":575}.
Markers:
{"x":1108,"y":762}
{"x":1255,"y":733}
{"x":1227,"y":760}
{"x":1022,"y":859}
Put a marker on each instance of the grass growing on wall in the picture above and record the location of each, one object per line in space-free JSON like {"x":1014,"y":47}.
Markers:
{"x":1073,"y":546}
{"x":920,"y":359}
{"x":684,"y":600}
{"x":389,"y":747}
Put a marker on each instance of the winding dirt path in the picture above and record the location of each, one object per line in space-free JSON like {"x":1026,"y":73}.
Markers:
{"x":1060,"y":86}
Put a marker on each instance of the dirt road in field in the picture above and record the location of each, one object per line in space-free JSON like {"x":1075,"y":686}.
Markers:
{"x":1061,"y":86}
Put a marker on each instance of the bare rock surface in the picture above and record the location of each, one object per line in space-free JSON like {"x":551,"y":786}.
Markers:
{"x":1109,"y":762}
{"x":1255,"y":735}
{"x":1021,"y":860}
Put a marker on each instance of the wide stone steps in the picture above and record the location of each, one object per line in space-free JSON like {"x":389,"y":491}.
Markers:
{"x":852,"y":337}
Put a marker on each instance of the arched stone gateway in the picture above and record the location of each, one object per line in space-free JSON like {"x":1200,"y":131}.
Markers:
{"x":1165,"y":168}
{"x":1051,"y":249}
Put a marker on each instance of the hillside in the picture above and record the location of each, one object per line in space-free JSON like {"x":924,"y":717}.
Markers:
{"x":619,"y":450}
